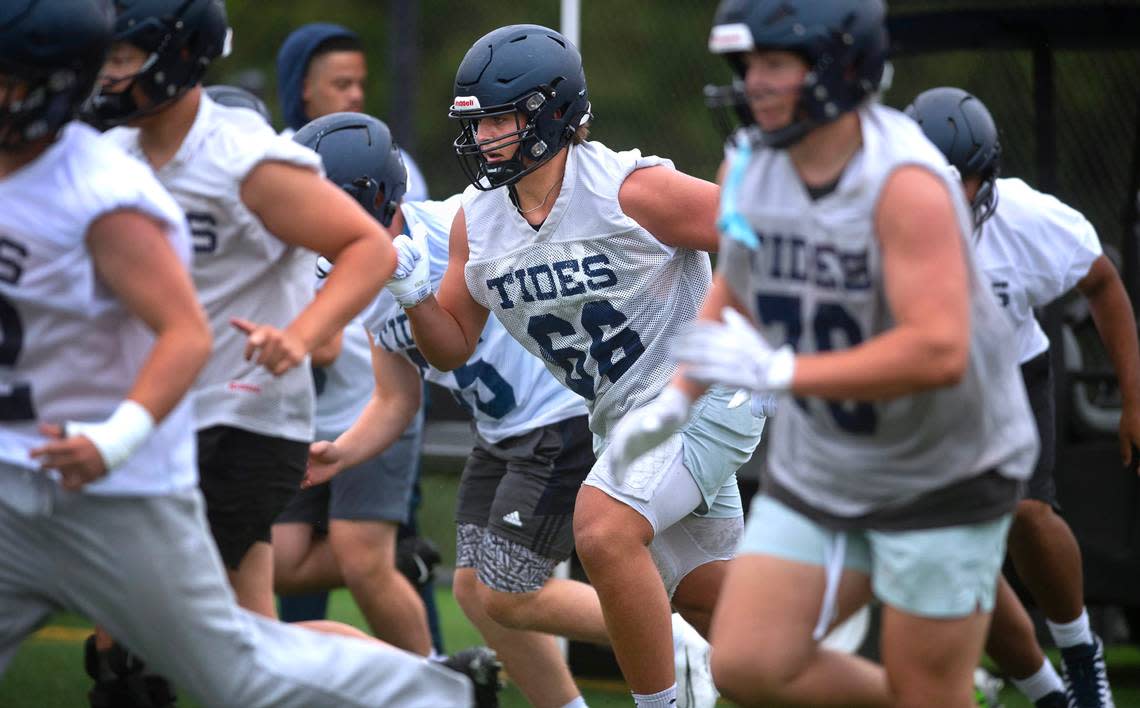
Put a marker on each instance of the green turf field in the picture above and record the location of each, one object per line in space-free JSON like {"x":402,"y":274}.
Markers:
{"x":48,"y":671}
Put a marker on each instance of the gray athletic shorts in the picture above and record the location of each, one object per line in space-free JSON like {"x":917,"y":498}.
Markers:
{"x":515,"y":510}
{"x":379,"y":489}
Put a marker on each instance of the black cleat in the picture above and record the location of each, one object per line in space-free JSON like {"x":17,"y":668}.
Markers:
{"x":1086,"y":676}
{"x":481,"y":666}
{"x":1055,"y":699}
{"x":121,"y":680}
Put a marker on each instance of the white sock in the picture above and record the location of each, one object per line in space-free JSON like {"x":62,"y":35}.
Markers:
{"x":578,"y":702}
{"x":1040,"y":684}
{"x":1070,"y":634}
{"x":664,"y":699}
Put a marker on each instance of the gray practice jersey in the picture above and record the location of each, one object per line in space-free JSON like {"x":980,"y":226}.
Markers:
{"x":240,"y":269}
{"x":815,"y":281}
{"x":591,"y":293}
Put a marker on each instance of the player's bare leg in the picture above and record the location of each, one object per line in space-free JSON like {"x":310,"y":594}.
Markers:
{"x":931,"y":661}
{"x":302,"y":561}
{"x":612,"y":541}
{"x":253,"y":580}
{"x":696,"y":594}
{"x":532,"y":659}
{"x":761,"y":634}
{"x":1048,"y":560}
{"x":565,"y":608}
{"x":365,"y":553}
{"x":1012,"y":641}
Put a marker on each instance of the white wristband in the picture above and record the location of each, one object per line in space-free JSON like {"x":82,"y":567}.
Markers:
{"x":119,"y":436}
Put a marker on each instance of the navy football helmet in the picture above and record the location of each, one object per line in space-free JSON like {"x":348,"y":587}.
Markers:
{"x":360,"y":156}
{"x":844,"y":43}
{"x":961,"y":127}
{"x":50,"y":54}
{"x":526,"y":68}
{"x":181,"y":38}
{"x":237,"y":97}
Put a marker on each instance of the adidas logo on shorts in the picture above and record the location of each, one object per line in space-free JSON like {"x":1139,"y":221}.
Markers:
{"x":513,"y":519}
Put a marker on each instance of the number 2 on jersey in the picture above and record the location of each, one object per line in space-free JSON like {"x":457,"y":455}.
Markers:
{"x":858,"y":417}
{"x":16,"y":402}
{"x":596,"y":317}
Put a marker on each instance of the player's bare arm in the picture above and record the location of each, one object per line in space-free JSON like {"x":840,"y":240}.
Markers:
{"x":1116,"y":322}
{"x":133,"y":258}
{"x":325,"y":354}
{"x":678,"y":209}
{"x":924,"y":270}
{"x":301,"y":208}
{"x":447,"y":325}
{"x":395,"y":401}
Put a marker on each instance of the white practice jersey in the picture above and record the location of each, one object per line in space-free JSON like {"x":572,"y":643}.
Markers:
{"x":1034,"y":249}
{"x":71,"y":351}
{"x":240,"y":269}
{"x":592,"y":293}
{"x":816,"y":282}
{"x":507,"y":391}
{"x":344,"y":387}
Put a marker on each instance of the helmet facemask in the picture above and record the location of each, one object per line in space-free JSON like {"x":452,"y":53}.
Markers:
{"x":172,"y":68}
{"x":534,"y":149}
{"x":985,"y":202}
{"x":35,"y":103}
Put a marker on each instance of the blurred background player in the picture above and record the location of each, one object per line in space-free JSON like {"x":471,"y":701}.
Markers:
{"x":360,"y":510}
{"x":99,"y":509}
{"x":592,"y":260}
{"x":1034,"y":249}
{"x":255,"y":203}
{"x":322,"y":69}
{"x":894,"y":469}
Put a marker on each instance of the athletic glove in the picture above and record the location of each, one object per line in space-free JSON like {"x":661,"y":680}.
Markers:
{"x":643,"y":429}
{"x":411,"y":283}
{"x":732,"y":353}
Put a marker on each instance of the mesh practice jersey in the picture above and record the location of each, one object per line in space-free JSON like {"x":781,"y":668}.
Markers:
{"x":71,"y":350}
{"x":592,"y":293}
{"x":1034,"y":249}
{"x":507,"y":390}
{"x":816,"y":282}
{"x":240,"y":269}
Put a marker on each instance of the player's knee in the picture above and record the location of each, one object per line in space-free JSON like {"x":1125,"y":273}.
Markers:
{"x":510,"y":609}
{"x":601,"y":540}
{"x":1031,"y":518}
{"x":465,"y":589}
{"x":741,"y":679}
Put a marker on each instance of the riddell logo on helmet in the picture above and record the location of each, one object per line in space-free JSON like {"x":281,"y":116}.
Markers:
{"x":465,"y":103}
{"x":733,"y":37}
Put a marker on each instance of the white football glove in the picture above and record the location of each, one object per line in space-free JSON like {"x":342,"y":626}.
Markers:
{"x":643,"y":429}
{"x":734,"y":354}
{"x":411,"y":282}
